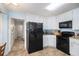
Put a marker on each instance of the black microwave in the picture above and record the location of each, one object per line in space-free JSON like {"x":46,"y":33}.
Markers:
{"x":65,"y":24}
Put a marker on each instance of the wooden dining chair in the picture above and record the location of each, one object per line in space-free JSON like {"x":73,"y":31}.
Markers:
{"x":2,"y":49}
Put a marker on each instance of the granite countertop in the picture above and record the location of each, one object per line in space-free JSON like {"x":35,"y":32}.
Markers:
{"x":52,"y":33}
{"x":75,"y":37}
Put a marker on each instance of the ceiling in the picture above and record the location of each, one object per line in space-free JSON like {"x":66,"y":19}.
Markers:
{"x":39,"y":8}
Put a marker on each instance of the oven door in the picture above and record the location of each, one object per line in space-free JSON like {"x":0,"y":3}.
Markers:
{"x":63,"y":44}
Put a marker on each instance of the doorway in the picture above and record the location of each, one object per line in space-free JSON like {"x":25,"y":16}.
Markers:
{"x":17,"y":36}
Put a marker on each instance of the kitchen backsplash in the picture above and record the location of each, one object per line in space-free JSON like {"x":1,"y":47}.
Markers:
{"x":65,"y":29}
{"x":76,"y":32}
{"x":51,"y":31}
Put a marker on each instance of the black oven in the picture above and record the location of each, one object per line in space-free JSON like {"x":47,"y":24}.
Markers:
{"x":62,"y":42}
{"x":65,"y":24}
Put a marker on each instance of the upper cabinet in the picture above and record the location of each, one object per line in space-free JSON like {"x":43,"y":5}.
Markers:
{"x":59,"y":18}
{"x":76,"y":19}
{"x":65,"y":16}
{"x":71,"y":15}
{"x":50,"y":23}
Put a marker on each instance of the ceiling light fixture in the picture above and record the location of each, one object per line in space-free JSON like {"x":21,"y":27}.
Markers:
{"x":54,"y":6}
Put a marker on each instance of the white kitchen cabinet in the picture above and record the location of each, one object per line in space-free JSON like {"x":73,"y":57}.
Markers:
{"x":46,"y":24}
{"x":76,"y":19}
{"x":50,"y":23}
{"x":52,"y":40}
{"x":70,"y":15}
{"x":45,"y":40}
{"x":65,"y":16}
{"x":74,"y":47}
{"x":59,"y":18}
{"x":49,"y":41}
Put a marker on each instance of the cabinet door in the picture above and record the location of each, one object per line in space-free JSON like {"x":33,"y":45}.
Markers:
{"x":52,"y":41}
{"x":74,"y":47}
{"x":50,"y":23}
{"x":71,"y":45}
{"x":76,"y":19}
{"x":49,"y":40}
{"x":67,"y":16}
{"x":59,"y":18}
{"x":45,"y":41}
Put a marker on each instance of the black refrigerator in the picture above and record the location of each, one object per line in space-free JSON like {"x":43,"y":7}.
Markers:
{"x":34,"y":36}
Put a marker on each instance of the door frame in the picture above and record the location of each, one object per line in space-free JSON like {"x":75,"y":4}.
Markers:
{"x":9,"y":45}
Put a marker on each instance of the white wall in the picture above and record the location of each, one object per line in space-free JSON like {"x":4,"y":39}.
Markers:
{"x":4,"y":34}
{"x":12,"y":32}
{"x":1,"y":21}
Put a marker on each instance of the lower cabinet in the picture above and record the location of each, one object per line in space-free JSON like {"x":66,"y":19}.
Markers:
{"x":45,"y":40}
{"x":74,"y":47}
{"x":49,"y":40}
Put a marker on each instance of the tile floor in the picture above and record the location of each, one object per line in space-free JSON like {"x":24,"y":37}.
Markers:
{"x":18,"y":50}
